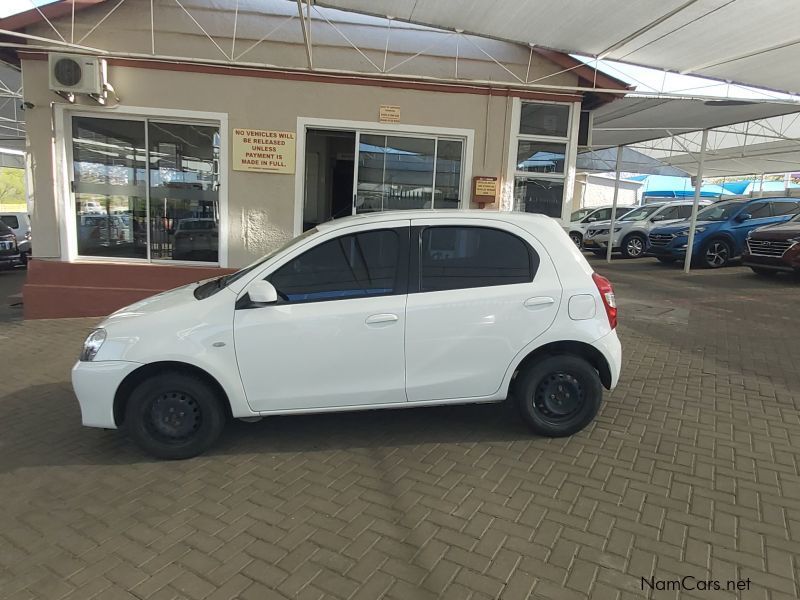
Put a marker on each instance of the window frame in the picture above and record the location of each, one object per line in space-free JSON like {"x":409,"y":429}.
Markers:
{"x":567,"y":178}
{"x":403,"y":233}
{"x":63,"y":174}
{"x":415,"y":270}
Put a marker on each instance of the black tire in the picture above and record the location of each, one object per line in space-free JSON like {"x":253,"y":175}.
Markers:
{"x":667,"y":260}
{"x":156,"y":416}
{"x":576,"y":238}
{"x":634,"y":245}
{"x":763,"y":272}
{"x":716,"y":253}
{"x":558,"y":395}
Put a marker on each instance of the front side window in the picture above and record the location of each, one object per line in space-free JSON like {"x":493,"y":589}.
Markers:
{"x":719,"y":212}
{"x":468,"y":257}
{"x":118,"y":163}
{"x":640,"y":214}
{"x":352,"y":266}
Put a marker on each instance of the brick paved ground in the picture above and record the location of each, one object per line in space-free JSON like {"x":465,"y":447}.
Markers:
{"x":691,"y":469}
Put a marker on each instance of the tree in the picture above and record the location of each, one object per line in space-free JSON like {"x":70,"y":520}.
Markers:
{"x":12,"y":186}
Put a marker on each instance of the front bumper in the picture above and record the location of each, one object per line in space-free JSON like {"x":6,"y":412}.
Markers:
{"x":788,"y":262}
{"x":9,"y":261}
{"x":600,"y":242}
{"x":95,"y":385}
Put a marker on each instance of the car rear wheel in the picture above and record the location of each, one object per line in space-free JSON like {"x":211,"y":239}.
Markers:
{"x":558,"y":395}
{"x":763,"y":272}
{"x":174,"y":416}
{"x":716,"y":254}
{"x":633,"y":246}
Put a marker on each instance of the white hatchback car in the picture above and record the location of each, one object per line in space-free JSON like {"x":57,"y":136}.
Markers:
{"x":388,"y":310}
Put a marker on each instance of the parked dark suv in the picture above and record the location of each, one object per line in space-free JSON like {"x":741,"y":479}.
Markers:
{"x":10,"y":256}
{"x":774,"y":248}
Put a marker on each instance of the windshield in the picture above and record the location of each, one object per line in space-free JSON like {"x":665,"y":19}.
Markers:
{"x":719,"y":212}
{"x":640,"y":214}
{"x":579,"y":214}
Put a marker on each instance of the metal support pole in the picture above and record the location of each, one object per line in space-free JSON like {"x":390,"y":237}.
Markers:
{"x":618,"y":168}
{"x":687,"y":264}
{"x":761,"y":187}
{"x":306,"y":27}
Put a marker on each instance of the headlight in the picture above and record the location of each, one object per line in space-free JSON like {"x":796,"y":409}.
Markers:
{"x":92,"y":344}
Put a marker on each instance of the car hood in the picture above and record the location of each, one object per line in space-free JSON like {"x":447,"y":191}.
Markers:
{"x":778,"y":231}
{"x":157,"y":303}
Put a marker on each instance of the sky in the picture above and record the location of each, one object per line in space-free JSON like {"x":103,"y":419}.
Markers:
{"x":12,"y":7}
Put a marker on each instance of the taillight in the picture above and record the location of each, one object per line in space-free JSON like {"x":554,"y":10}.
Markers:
{"x":609,"y":300}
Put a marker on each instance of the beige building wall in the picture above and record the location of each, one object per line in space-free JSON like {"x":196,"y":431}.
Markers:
{"x":594,"y":190}
{"x":261,"y":207}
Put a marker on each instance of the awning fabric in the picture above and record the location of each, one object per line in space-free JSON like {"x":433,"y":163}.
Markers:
{"x":743,"y":41}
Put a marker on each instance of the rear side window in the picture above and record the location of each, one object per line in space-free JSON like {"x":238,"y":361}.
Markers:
{"x":11,"y":221}
{"x":351,"y":266}
{"x":468,"y":257}
{"x":758,"y":211}
{"x":785,"y":208}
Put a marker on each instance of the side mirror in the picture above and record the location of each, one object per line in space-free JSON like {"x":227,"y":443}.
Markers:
{"x":743,"y":217}
{"x":262,"y":292}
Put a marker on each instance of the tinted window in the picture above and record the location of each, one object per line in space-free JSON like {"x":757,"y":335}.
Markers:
{"x":468,"y":257}
{"x":11,"y":221}
{"x":722,"y":211}
{"x":351,"y":266}
{"x":778,"y":208}
{"x":602,"y":215}
{"x":669,"y":213}
{"x":642,"y":213}
{"x":758,"y":211}
{"x":684,"y":211}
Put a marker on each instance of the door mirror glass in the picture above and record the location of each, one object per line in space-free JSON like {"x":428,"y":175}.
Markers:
{"x":744,"y":216}
{"x":262,"y":292}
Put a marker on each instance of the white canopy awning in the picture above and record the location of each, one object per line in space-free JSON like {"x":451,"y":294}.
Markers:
{"x":743,"y":41}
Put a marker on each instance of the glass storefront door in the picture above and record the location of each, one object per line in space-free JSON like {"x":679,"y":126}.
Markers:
{"x":146,"y":189}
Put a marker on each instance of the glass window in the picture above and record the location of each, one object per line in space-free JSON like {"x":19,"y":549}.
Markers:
{"x":540,"y":157}
{"x":759,"y":211}
{"x":397,"y":173}
{"x":112,"y":170}
{"x":468,"y":257}
{"x":109,"y":174}
{"x":10,"y":220}
{"x":544,"y":119}
{"x":684,"y":211}
{"x":669,"y":213}
{"x":351,"y":266}
{"x":602,"y":214}
{"x":542,"y":196}
{"x":184,"y":214}
{"x":642,"y":213}
{"x":722,"y":211}
{"x":778,"y":208}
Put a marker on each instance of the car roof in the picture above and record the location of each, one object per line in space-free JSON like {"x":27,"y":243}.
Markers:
{"x":520,"y":218}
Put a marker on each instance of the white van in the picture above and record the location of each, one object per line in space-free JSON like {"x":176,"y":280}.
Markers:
{"x":389,"y":310}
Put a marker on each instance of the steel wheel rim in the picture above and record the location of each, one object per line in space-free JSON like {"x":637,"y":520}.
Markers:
{"x":559,"y":397}
{"x":576,"y":239}
{"x":717,"y":254}
{"x":635,"y":247}
{"x":173,"y":417}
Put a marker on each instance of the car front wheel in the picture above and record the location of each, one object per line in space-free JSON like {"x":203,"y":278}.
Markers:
{"x":174,"y":416}
{"x":558,"y":395}
{"x":716,"y":254}
{"x":576,"y":238}
{"x":633,"y":246}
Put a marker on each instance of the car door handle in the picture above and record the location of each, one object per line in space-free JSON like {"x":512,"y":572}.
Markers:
{"x":538,"y":301}
{"x":382,"y":318}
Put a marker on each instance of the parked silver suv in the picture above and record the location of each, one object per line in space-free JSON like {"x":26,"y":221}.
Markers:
{"x":577,"y":228}
{"x":632,"y":229}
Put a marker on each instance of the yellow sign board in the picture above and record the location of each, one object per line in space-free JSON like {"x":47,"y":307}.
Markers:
{"x":389,"y":114}
{"x":263,"y":151}
{"x":485,"y":186}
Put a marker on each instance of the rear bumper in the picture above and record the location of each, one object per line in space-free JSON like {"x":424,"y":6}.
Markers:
{"x":95,"y":385}
{"x":611,"y":348}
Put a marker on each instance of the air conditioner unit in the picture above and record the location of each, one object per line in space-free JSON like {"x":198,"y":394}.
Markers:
{"x":77,"y":73}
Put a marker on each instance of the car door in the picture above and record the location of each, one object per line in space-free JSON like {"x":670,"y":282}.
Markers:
{"x":477,"y":296}
{"x":335,"y":337}
{"x":760,"y":215}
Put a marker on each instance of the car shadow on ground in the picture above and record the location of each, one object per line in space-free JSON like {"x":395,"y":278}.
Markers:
{"x":54,"y":408}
